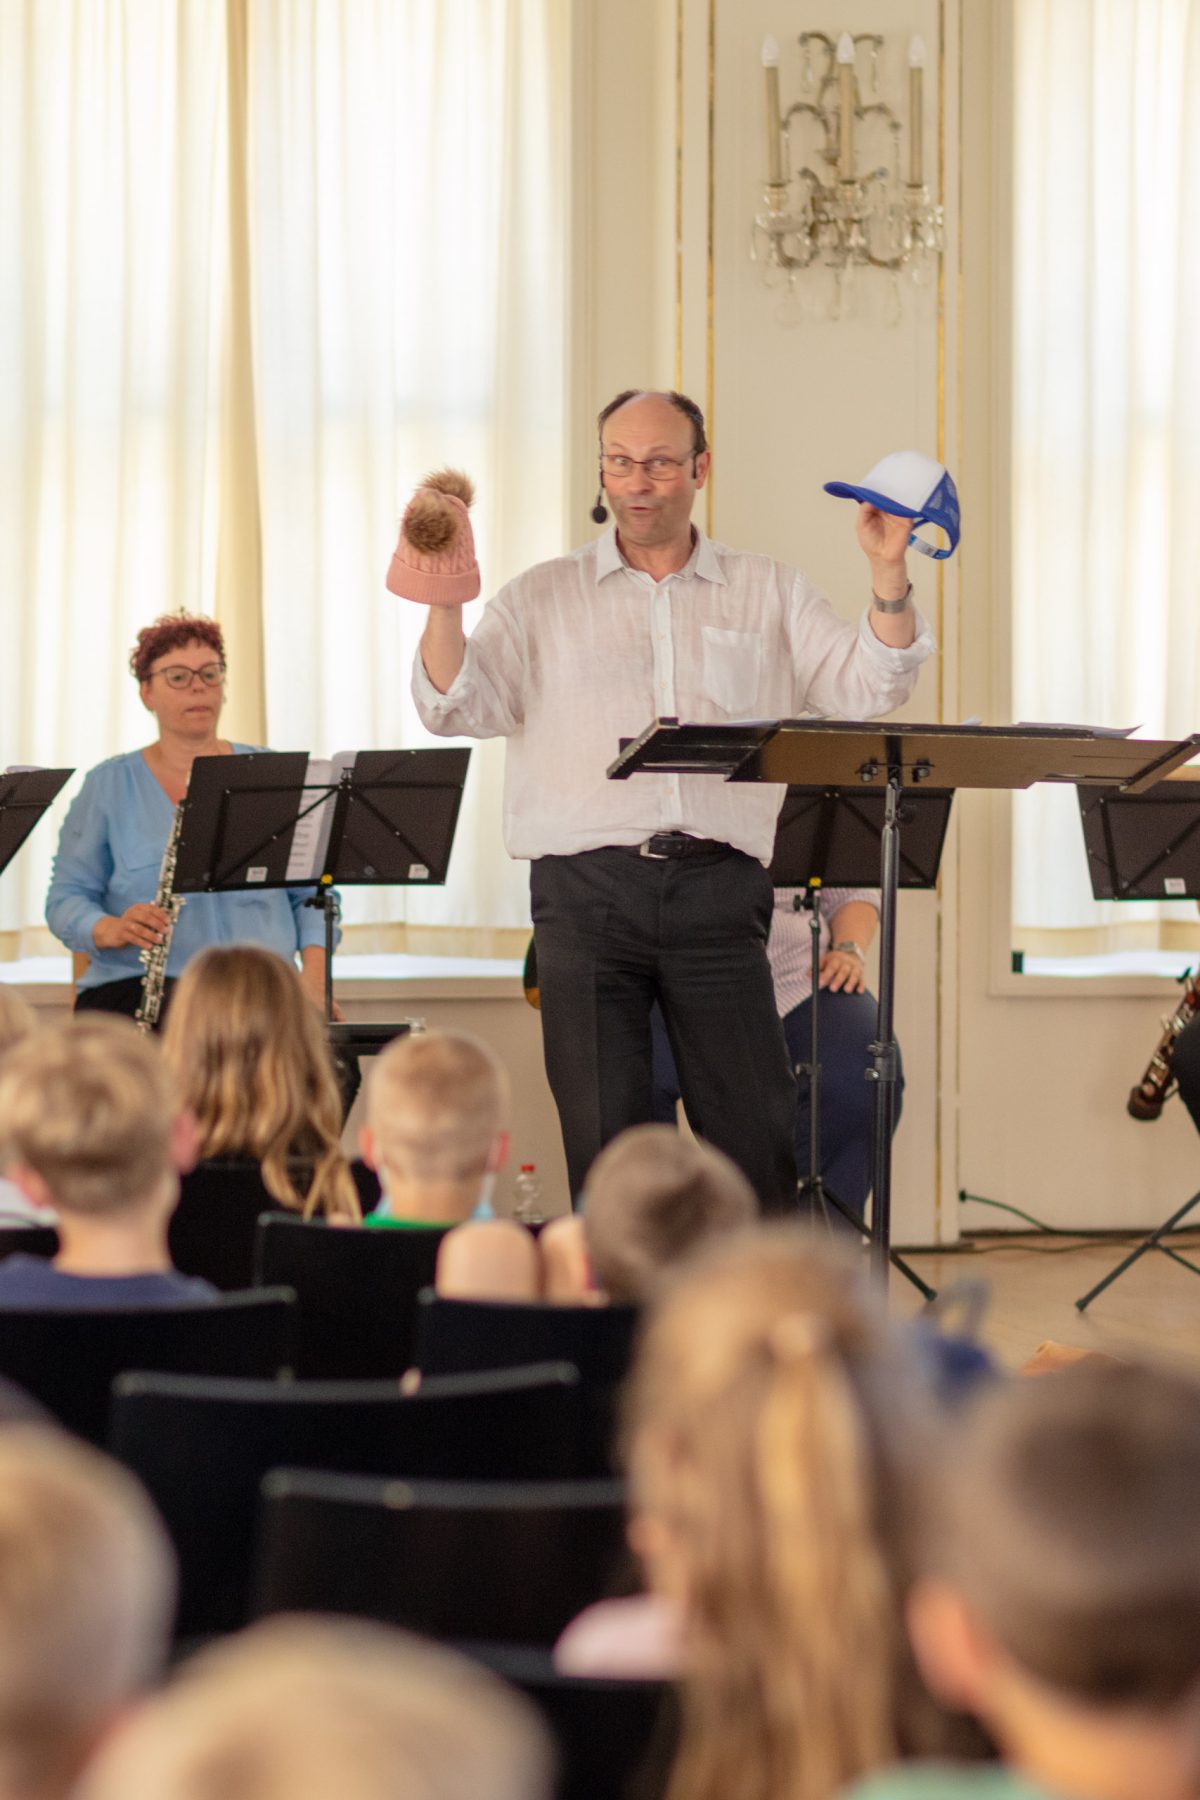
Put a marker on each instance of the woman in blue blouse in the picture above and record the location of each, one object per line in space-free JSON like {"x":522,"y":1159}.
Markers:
{"x":101,"y":899}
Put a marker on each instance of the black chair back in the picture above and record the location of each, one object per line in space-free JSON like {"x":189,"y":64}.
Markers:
{"x":30,"y":1240}
{"x":453,"y":1335}
{"x":357,"y":1290}
{"x":68,"y":1357}
{"x":202,"y":1447}
{"x":214,"y":1227}
{"x":616,"y":1739}
{"x":457,"y":1561}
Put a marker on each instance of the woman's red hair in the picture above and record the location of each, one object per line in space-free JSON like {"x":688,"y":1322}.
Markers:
{"x":171,"y":631}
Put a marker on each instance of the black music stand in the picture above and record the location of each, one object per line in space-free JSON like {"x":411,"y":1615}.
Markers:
{"x":1144,"y":847}
{"x":897,"y":757}
{"x":830,"y":837}
{"x":385,"y":819}
{"x":25,"y":794}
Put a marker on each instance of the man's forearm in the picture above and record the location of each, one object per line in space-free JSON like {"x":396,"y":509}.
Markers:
{"x":443,"y":646}
{"x":889,"y":581}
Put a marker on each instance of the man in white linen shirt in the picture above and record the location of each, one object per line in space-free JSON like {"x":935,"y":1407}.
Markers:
{"x":657,"y":887}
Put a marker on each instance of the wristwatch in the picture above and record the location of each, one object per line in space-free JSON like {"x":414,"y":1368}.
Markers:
{"x":891,"y":606}
{"x":852,"y":949}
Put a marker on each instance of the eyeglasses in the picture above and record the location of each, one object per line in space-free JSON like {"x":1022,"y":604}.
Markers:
{"x":178,"y":675}
{"x":658,"y":468}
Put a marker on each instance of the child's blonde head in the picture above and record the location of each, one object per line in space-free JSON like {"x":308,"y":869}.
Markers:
{"x":304,"y":1709}
{"x":651,"y":1196}
{"x":249,"y":1052}
{"x":87,"y":1586}
{"x":769,"y":1417}
{"x":437,"y":1106}
{"x":88,"y":1107}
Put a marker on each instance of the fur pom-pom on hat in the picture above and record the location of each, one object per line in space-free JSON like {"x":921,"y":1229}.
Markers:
{"x":434,"y":563}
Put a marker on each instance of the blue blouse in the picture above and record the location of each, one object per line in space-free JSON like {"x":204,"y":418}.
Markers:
{"x":109,"y":856}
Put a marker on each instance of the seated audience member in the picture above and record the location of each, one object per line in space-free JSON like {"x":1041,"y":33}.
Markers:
{"x":1060,"y":1590}
{"x":17,"y":1021}
{"x":849,"y":1021}
{"x":89,"y":1129}
{"x":87,"y":1591}
{"x":306,"y":1709}
{"x":651,"y":1196}
{"x":775,"y":1424}
{"x":250,"y":1056}
{"x":437,"y":1129}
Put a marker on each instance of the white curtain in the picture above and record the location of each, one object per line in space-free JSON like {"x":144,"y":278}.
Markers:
{"x":261,"y":266}
{"x":1106,"y":416}
{"x":111,"y":268}
{"x":408,"y":298}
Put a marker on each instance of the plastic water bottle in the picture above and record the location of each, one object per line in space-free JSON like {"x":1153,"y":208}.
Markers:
{"x":527,"y":1195}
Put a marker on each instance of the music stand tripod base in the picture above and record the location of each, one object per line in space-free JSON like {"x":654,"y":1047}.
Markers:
{"x":1143,"y":845}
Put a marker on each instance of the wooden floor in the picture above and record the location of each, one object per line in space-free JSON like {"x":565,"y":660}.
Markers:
{"x":1032,"y":1284}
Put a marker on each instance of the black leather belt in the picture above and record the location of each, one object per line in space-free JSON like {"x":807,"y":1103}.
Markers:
{"x":666,"y":846}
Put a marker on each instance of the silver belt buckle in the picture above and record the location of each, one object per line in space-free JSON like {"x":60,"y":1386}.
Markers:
{"x":654,"y":855}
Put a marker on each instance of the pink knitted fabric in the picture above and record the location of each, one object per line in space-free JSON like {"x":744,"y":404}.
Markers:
{"x":447,"y":576}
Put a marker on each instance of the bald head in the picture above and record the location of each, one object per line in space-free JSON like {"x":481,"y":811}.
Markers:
{"x":658,"y":407}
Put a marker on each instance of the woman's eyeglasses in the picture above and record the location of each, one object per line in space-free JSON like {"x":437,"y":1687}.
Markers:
{"x":178,"y":675}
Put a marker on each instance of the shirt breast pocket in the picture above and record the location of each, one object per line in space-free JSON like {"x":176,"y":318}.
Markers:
{"x":732,"y":668}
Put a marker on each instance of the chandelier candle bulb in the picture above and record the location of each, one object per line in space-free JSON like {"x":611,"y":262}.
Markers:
{"x":770,"y":60}
{"x":916,"y":126}
{"x":845,"y":60}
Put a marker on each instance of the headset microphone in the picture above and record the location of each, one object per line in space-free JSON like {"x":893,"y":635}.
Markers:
{"x":600,"y":511}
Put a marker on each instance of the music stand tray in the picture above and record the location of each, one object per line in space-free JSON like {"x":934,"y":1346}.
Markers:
{"x":898,"y":757}
{"x":375,"y":818}
{"x":1143,"y":847}
{"x":25,"y":794}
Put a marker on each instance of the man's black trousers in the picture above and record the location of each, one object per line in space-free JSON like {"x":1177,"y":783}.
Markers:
{"x":615,"y":930}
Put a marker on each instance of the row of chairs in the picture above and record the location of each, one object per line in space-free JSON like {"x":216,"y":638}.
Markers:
{"x":360,"y":1314}
{"x":457,"y":1511}
{"x":204,"y":1448}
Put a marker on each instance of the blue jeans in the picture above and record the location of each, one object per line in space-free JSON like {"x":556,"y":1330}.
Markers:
{"x":847,"y":1026}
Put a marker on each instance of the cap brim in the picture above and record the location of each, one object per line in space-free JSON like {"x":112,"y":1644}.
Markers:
{"x":845,"y":490}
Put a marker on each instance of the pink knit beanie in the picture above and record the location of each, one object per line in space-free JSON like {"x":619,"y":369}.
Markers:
{"x":434,"y":562}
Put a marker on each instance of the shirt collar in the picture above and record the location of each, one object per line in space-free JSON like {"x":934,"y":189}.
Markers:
{"x":703,"y":561}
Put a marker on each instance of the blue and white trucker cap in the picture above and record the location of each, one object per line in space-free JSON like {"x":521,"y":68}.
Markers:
{"x":911,"y":485}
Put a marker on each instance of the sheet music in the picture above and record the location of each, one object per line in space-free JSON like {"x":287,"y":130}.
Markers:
{"x":310,"y":839}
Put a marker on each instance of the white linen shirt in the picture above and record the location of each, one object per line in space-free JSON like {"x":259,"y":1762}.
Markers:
{"x":578,"y":652}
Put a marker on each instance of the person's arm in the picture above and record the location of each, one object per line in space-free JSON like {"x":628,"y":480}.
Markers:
{"x":83,"y":868}
{"x":472,"y":687}
{"x":845,"y":971}
{"x":443,"y":646}
{"x":847,"y":671}
{"x":884,"y":540}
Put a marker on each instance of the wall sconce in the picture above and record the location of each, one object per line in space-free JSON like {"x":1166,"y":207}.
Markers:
{"x":848,"y":216}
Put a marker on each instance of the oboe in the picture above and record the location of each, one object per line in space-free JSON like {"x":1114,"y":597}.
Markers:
{"x":1152,"y":1092}
{"x":154,"y":957}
